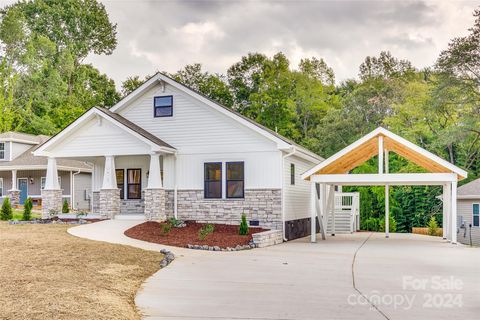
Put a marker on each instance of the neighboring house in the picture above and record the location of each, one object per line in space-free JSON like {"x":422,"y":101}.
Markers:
{"x":167,"y":151}
{"x":23,"y":175}
{"x":468,"y":210}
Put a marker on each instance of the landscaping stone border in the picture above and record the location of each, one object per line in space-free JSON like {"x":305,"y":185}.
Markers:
{"x":249,"y":246}
{"x":167,"y":259}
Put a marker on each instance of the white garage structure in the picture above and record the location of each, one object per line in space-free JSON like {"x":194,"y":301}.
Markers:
{"x":334,"y":171}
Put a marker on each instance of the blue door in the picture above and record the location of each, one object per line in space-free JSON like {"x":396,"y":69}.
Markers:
{"x":23,"y":187}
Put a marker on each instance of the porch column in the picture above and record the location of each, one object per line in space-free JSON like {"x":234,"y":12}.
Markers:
{"x":109,"y":193}
{"x":51,"y":193}
{"x":155,"y":194}
{"x":447,"y":198}
{"x":444,"y":211}
{"x":453,"y":227}
{"x":313,"y":212}
{"x":14,"y":193}
{"x":387,"y":211}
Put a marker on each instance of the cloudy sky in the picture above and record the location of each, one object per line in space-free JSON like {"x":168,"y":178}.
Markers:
{"x":166,"y":35}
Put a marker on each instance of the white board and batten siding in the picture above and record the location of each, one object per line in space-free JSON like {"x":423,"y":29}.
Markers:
{"x":296,"y":196}
{"x":201,"y":134}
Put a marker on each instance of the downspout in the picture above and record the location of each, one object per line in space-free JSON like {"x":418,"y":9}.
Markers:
{"x":175,"y":202}
{"x":283,"y":189}
{"x":72,"y":190}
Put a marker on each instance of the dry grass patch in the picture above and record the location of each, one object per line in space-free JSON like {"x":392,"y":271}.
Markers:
{"x":45,"y":273}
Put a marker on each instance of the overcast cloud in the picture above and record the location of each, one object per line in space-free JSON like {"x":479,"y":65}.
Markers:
{"x":166,"y":35}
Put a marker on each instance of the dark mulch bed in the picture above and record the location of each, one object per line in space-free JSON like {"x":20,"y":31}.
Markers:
{"x":224,"y":235}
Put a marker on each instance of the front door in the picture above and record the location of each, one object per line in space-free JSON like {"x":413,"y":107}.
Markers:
{"x":23,"y":187}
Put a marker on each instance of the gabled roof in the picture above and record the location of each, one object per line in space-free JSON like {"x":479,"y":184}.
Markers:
{"x":470,"y":190}
{"x":283,"y":142}
{"x":116,"y":119}
{"x":367,"y":147}
{"x":23,"y":137}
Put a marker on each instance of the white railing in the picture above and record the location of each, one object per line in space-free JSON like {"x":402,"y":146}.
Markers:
{"x":346,"y":204}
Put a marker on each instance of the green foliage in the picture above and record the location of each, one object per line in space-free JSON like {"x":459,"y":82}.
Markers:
{"x":243,"y":229}
{"x":65,"y":207}
{"x":27,"y":209}
{"x":205,"y":231}
{"x":7,"y":212}
{"x":370,"y":224}
{"x":432,"y":226}
{"x":165,"y":228}
{"x":392,"y":224}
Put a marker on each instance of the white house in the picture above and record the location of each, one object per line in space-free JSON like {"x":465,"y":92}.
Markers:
{"x":468,"y":205}
{"x":22,"y":175}
{"x":168,"y":151}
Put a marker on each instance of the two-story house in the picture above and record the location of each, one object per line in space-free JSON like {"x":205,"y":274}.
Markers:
{"x":167,"y":151}
{"x":23,"y":175}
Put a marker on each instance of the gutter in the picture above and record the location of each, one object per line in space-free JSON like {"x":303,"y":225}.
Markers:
{"x":175,"y":193}
{"x":72,"y":186}
{"x":294,"y":150}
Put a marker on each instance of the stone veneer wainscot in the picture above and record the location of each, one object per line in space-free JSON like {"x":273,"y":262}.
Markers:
{"x":264,"y":205}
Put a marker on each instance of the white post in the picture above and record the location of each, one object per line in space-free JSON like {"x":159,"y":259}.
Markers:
{"x":387,"y":167}
{"x":453,"y":228}
{"x":380,"y":154}
{"x":109,"y":176}
{"x":387,"y":210}
{"x":448,"y":213}
{"x":331,"y":206}
{"x":51,"y":180}
{"x":154,"y":175}
{"x":444,"y":211}
{"x":14,"y":180}
{"x":313,"y":209}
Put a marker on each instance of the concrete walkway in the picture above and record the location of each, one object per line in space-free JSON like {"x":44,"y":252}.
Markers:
{"x":300,"y":280}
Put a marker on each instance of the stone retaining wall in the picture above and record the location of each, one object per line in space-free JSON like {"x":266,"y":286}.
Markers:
{"x":264,"y":205}
{"x":267,"y":238}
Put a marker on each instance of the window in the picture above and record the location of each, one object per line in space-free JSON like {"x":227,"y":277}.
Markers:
{"x":235,"y":180}
{"x":292,"y":173}
{"x":163,"y":106}
{"x":213,"y":180}
{"x":120,"y":173}
{"x":134,"y":183}
{"x":2,"y":150}
{"x":42,"y":182}
{"x":476,"y":214}
{"x":1,"y":187}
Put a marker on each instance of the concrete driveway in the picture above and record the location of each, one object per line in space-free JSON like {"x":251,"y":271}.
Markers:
{"x":404,"y":277}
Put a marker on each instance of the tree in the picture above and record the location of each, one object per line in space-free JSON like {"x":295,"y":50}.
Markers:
{"x":385,"y":66}
{"x":27,"y":209}
{"x":6,"y":213}
{"x":131,"y":83}
{"x":317,"y":69}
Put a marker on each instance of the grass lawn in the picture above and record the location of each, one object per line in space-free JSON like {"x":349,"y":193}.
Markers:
{"x":45,"y":273}
{"x":18,"y":214}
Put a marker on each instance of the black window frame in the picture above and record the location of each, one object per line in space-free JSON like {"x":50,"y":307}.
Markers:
{"x":122,"y":188}
{"x":292,"y":174}
{"x":235,"y":180}
{"x":475,"y":215}
{"x":2,"y":151}
{"x":162,"y":107}
{"x":205,"y":181}
{"x":129,"y":184}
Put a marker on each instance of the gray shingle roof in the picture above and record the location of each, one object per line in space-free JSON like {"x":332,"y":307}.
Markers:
{"x":35,"y":139}
{"x":470,"y":189}
{"x":144,"y":133}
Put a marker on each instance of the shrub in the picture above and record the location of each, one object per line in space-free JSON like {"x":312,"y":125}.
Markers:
{"x":176,"y":223}
{"x":371,"y":224}
{"x":165,"y":228}
{"x":432,"y":226}
{"x":243,"y":230}
{"x":392,"y":224}
{"x":27,"y":209}
{"x":65,"y":208}
{"x":205,"y":231}
{"x":7,"y":212}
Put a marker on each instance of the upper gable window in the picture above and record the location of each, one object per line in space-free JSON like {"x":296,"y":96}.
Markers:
{"x":163,"y":106}
{"x":2,"y":151}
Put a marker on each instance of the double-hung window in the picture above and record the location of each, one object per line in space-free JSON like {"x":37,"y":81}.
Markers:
{"x":2,"y":150}
{"x":235,"y":180}
{"x":476,"y":214}
{"x":292,"y":174}
{"x":213,"y":180}
{"x":120,"y":173}
{"x":163,"y":106}
{"x":134,"y":183}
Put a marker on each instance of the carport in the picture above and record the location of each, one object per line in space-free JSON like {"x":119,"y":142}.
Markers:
{"x":335,"y":171}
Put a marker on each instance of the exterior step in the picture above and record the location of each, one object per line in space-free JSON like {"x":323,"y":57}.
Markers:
{"x":130,"y":217}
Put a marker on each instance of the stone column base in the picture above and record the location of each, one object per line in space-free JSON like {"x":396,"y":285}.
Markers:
{"x":109,"y":203}
{"x":155,"y":204}
{"x":51,"y":203}
{"x":14,"y":196}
